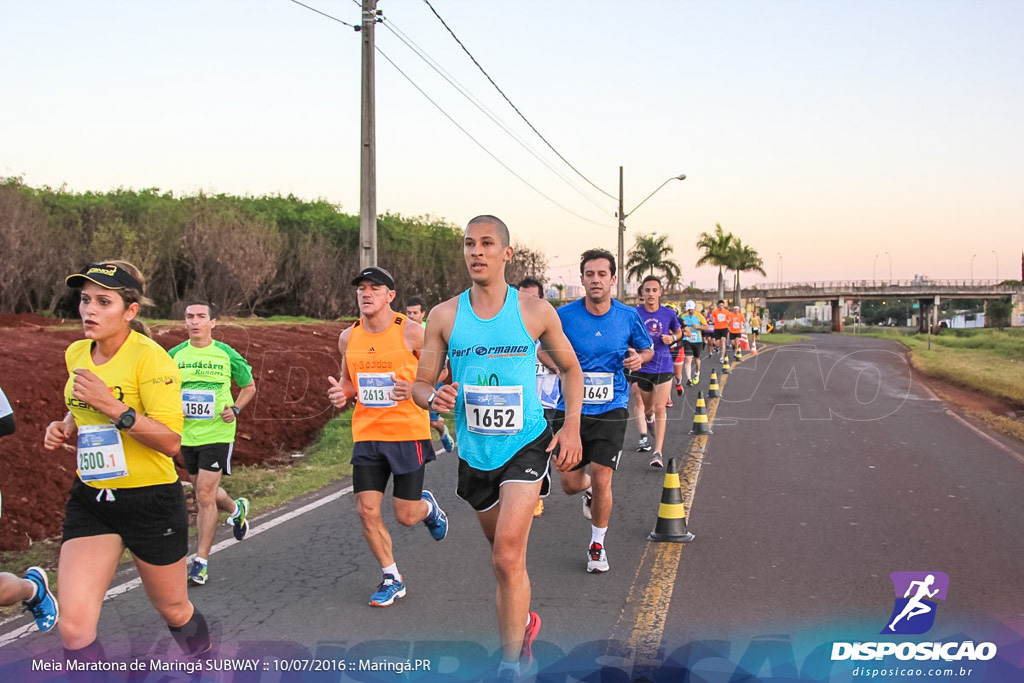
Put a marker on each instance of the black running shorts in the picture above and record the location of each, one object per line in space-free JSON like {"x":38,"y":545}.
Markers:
{"x":151,"y":520}
{"x":212,"y":457}
{"x":601,"y":436}
{"x":481,"y":488}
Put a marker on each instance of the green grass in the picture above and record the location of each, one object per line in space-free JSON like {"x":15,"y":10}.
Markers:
{"x":325,"y":461}
{"x":782,"y":338}
{"x":987,"y":361}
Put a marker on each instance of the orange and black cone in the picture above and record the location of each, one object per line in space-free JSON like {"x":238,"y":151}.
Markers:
{"x":671,"y":524}
{"x":700,"y":416}
{"x":725,"y":365}
{"x":713,"y":389}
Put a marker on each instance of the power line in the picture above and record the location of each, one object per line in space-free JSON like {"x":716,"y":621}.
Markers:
{"x":324,"y":14}
{"x":516,"y":109}
{"x":481,"y":145}
{"x":432,"y":63}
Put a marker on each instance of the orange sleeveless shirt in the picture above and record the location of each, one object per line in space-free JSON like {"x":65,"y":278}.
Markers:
{"x":370,"y":359}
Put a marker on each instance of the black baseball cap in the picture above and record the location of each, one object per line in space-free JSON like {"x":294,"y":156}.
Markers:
{"x":377,"y":276}
{"x":106,"y":275}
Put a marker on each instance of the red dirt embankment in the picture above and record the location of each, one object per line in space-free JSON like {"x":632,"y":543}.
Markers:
{"x":290,"y":367}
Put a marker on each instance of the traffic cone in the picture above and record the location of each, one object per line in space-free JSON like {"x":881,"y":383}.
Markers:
{"x":700,"y":416}
{"x":713,"y":391}
{"x":671,"y":524}
{"x":726,"y":370}
{"x":739,"y":354}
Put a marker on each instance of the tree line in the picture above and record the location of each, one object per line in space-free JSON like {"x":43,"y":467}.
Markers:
{"x":266,"y":255}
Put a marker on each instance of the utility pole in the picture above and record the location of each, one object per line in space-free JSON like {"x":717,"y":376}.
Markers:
{"x":621,"y":293}
{"x":368,"y":146}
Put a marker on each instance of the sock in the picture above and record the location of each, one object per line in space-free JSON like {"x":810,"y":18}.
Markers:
{"x":237,"y":510}
{"x":201,"y":560}
{"x":597,"y":534}
{"x":194,"y":636}
{"x":393,"y":570}
{"x":430,"y":509}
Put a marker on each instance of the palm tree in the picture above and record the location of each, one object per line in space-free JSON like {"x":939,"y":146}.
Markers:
{"x":741,"y":259}
{"x":716,"y":246}
{"x":650,"y":253}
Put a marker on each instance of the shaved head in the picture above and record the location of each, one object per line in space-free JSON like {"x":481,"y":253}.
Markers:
{"x":499,"y":225}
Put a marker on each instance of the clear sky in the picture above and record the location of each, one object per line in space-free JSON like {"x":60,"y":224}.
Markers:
{"x":820,"y":133}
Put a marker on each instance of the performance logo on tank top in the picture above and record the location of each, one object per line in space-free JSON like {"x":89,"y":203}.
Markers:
{"x":493,"y":361}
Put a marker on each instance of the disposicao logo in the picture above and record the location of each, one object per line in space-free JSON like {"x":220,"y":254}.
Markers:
{"x":914,"y":609}
{"x":913,"y":613}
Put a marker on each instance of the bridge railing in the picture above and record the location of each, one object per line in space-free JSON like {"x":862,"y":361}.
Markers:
{"x":848,"y":285}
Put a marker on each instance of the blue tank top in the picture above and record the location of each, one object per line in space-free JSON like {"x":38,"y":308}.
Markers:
{"x":495,"y":363}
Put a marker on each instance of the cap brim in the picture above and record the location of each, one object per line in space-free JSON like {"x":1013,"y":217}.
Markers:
{"x":78,"y":280}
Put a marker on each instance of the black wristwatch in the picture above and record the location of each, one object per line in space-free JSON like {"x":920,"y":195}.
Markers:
{"x":236,"y":410}
{"x":126,"y":420}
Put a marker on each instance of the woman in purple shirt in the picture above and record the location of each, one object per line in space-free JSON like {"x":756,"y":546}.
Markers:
{"x":653,"y":379}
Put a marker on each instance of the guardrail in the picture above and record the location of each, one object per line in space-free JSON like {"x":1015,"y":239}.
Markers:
{"x":916,"y":284}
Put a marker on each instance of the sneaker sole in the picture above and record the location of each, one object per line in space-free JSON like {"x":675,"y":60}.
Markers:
{"x":399,"y":594}
{"x":596,"y":570}
{"x":240,"y":531}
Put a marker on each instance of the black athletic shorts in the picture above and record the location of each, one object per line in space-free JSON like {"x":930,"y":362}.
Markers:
{"x":374,"y":461}
{"x":601,"y":436}
{"x":693,"y":349}
{"x":481,"y":488}
{"x":212,"y":457}
{"x":735,"y":335}
{"x":151,"y":520}
{"x":721,"y":333}
{"x":646,"y":381}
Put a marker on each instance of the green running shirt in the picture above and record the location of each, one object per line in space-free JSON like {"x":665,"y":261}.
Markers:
{"x":206,"y":375}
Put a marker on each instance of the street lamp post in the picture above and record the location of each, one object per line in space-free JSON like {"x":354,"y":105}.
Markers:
{"x":874,"y":269}
{"x":997,"y":264}
{"x":890,"y":266}
{"x":622,"y":228}
{"x":779,"y":268}
{"x":973,"y":256}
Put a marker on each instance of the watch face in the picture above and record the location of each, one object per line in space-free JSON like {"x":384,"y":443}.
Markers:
{"x":126,"y":420}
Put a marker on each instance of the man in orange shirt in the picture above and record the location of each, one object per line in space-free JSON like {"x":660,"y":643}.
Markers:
{"x":720,"y":321}
{"x":390,"y":433}
{"x":736,"y":323}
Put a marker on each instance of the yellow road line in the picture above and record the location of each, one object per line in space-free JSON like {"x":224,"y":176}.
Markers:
{"x":642,"y":622}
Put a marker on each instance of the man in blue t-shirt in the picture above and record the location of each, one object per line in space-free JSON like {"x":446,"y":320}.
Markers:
{"x":652,"y":380}
{"x":607,"y":336}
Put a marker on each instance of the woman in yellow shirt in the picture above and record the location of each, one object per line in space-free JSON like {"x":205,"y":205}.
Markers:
{"x":124,"y":421}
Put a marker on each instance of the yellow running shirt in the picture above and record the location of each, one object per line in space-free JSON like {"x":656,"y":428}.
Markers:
{"x":372,"y":360}
{"x":143,"y":377}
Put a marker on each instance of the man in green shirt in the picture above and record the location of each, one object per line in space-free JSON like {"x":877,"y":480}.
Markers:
{"x":207,"y":370}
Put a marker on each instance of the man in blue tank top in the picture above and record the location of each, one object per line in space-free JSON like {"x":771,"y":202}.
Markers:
{"x":608,"y":337}
{"x":504,"y":444}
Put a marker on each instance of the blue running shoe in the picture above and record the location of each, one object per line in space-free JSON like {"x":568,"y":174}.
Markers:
{"x":239,"y":521}
{"x":43,"y":606}
{"x":436,"y":521}
{"x":447,"y":441}
{"x":198,"y":573}
{"x":389,"y":589}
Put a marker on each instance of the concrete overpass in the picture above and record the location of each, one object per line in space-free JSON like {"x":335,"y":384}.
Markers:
{"x":928,"y":293}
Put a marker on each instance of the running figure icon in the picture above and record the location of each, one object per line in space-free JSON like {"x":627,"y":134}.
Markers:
{"x":915,"y":606}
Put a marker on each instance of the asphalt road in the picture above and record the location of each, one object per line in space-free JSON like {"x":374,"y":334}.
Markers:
{"x":829,"y":468}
